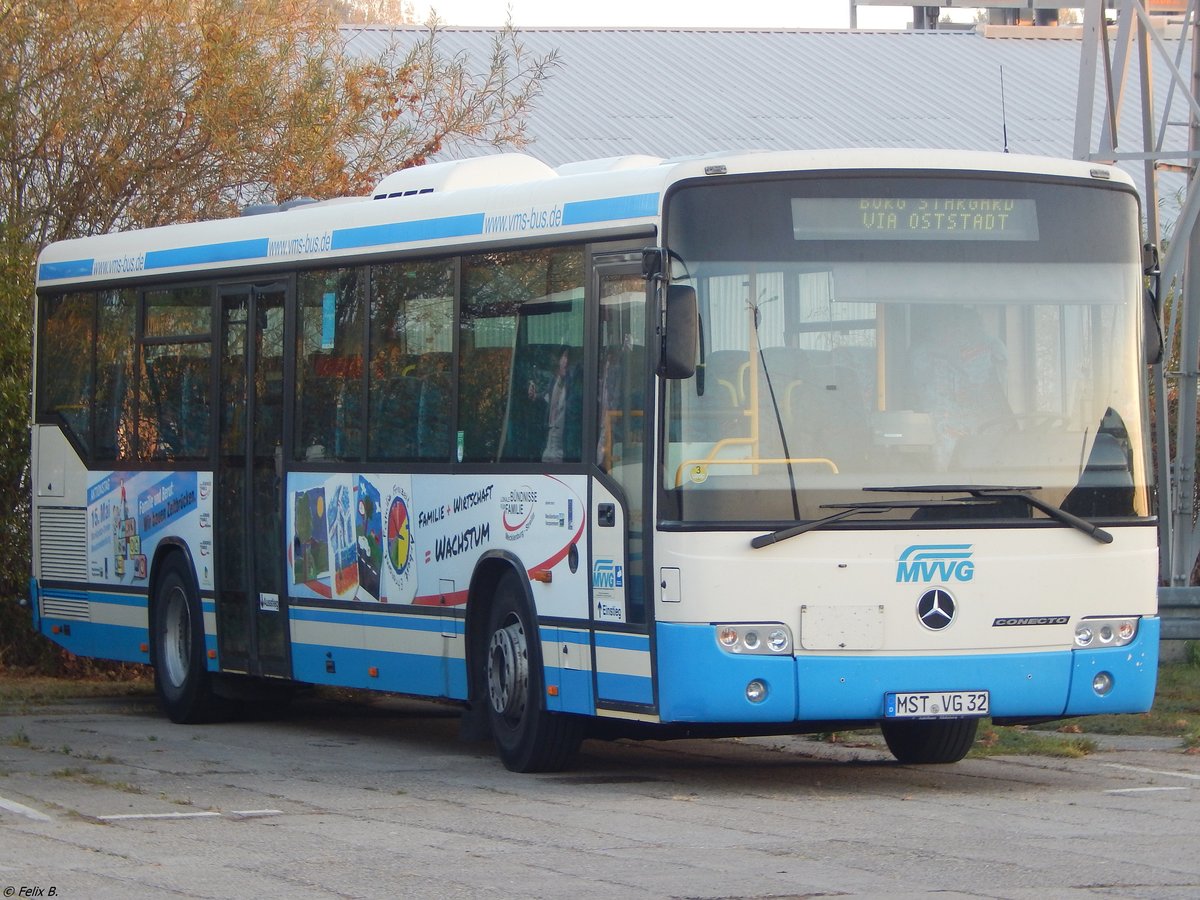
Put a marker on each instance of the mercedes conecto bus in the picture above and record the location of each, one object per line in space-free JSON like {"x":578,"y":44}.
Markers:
{"x":756,"y":443}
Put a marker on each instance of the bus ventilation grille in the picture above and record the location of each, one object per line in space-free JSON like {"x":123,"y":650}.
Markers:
{"x":55,"y":607}
{"x":62,"y":541}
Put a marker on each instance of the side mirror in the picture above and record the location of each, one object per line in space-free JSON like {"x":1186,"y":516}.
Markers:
{"x":681,"y":333}
{"x":1152,"y":328}
{"x":1152,"y":301}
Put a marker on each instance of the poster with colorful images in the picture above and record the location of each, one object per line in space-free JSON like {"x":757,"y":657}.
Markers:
{"x":400,"y":563}
{"x":310,"y":537}
{"x":368,"y":531}
{"x":340,"y":545}
{"x":343,"y":547}
{"x":401,"y":539}
{"x":130,"y":512}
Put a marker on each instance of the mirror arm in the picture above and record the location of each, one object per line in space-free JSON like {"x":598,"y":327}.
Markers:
{"x":1153,"y":270}
{"x":1155,"y":340}
{"x":653,"y":262}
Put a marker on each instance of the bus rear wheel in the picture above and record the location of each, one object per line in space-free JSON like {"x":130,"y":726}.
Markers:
{"x":930,"y":742}
{"x":529,"y":738}
{"x":181,"y":675}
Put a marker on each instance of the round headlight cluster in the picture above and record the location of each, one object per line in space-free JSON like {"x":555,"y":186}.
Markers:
{"x":765,"y":639}
{"x":1096,"y":633}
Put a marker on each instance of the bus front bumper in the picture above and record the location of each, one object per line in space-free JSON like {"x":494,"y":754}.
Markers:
{"x":700,"y":682}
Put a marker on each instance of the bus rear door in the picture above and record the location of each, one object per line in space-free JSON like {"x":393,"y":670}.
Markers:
{"x":251,"y":603}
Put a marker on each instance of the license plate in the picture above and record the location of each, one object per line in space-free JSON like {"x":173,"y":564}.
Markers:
{"x":936,"y":704}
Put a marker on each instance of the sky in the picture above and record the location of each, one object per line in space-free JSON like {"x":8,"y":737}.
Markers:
{"x":667,"y":13}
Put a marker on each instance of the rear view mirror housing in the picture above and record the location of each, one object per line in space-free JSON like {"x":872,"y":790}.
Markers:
{"x":681,"y":331}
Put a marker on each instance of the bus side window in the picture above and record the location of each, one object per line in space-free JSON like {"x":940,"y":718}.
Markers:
{"x":176,"y":359}
{"x":546,"y":417}
{"x":395,"y":407}
{"x":65,"y":366}
{"x":329,"y":370}
{"x":513,"y":305}
{"x":434,"y":414}
{"x":411,"y":339}
{"x":175,"y":407}
{"x":111,"y":412}
{"x":114,"y":374}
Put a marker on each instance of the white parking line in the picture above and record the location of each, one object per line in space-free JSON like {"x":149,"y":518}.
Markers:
{"x":1189,"y":775}
{"x":126,"y":816}
{"x":1143,"y":789}
{"x":22,"y":810}
{"x":233,"y":813}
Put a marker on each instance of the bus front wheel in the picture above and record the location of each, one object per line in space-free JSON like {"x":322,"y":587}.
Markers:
{"x":529,"y":738}
{"x":925,"y":742}
{"x":181,"y":675}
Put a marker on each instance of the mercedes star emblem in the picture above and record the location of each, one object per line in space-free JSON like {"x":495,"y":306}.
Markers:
{"x":935,"y":609}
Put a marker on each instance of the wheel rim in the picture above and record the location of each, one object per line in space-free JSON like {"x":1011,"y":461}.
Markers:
{"x":508,"y":670}
{"x":176,"y":637}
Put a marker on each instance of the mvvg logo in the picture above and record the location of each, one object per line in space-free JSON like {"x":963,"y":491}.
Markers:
{"x":935,"y":562}
{"x":607,"y":574}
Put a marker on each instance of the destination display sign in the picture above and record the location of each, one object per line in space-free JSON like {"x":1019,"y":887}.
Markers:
{"x":914,"y":219}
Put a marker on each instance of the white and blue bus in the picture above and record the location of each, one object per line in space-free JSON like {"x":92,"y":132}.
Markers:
{"x":745,"y":444}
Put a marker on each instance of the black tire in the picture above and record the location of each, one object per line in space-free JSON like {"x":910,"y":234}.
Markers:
{"x":529,"y":738}
{"x":925,"y":742}
{"x":181,"y":675}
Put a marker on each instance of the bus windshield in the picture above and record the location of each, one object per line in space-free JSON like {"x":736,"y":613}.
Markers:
{"x":878,"y":331}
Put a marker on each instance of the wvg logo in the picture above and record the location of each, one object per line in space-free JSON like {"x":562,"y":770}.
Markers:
{"x":935,"y":562}
{"x":607,"y":574}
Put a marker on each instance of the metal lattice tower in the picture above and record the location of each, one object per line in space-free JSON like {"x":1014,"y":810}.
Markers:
{"x":1137,"y":39}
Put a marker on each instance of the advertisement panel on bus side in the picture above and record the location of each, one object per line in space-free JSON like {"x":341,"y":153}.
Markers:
{"x":399,"y":539}
{"x":129,"y":513}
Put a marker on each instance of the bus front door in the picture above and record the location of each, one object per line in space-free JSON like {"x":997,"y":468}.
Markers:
{"x":251,"y":603}
{"x":621,"y":617}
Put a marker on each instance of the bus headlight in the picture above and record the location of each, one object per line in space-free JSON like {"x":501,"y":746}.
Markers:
{"x":779,"y":641}
{"x":762,"y":639}
{"x":1105,"y":632}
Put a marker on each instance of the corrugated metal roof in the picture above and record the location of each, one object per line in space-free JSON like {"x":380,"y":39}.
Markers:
{"x":683,"y":92}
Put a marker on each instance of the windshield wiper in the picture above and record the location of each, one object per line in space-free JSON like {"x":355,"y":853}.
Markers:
{"x":978,"y":494}
{"x":853,"y":509}
{"x":765,"y":540}
{"x":1006,"y":492}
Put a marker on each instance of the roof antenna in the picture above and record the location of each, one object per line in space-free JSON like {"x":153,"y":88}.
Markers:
{"x":1003,"y":114}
